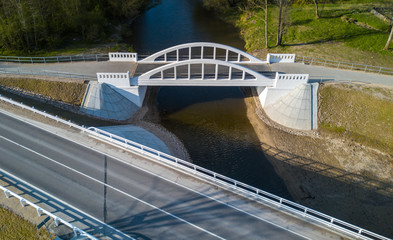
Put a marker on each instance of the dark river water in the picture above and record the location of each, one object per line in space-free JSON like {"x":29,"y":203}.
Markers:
{"x":210,"y":121}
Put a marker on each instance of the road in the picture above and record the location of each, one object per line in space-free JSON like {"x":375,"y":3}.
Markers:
{"x":138,"y":203}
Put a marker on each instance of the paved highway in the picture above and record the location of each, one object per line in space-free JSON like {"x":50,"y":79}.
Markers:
{"x":140,"y":204}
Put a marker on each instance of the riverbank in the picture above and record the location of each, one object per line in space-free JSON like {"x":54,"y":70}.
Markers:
{"x":147,"y":117}
{"x":336,"y":176}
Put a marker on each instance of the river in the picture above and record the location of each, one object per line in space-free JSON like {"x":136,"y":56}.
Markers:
{"x":210,"y":121}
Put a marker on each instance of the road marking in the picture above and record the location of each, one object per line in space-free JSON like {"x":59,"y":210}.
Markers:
{"x":120,"y":191}
{"x":156,"y":175}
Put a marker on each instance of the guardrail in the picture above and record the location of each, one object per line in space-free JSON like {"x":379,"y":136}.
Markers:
{"x":56,"y":59}
{"x":344,"y":65}
{"x":219,"y":179}
{"x":244,"y":188}
{"x":40,"y":211}
{"x":46,"y":74}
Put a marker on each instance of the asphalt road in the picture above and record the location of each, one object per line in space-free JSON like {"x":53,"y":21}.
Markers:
{"x":134,"y":201}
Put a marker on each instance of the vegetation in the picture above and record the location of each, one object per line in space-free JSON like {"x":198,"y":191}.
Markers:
{"x":31,"y":25}
{"x":68,"y":92}
{"x":358,"y":112}
{"x":13,"y":226}
{"x":343,"y":27}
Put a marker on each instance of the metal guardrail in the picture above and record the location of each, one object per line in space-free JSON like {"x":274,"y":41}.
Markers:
{"x":56,"y":59}
{"x":219,"y":179}
{"x":46,"y":74}
{"x":40,"y":211}
{"x":344,"y":65}
{"x":239,"y":186}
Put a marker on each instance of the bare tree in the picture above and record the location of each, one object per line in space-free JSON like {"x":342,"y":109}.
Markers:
{"x":282,"y":19}
{"x":316,"y":9}
{"x":389,"y":39}
{"x":253,"y":5}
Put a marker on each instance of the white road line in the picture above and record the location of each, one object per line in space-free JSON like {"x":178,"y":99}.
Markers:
{"x":107,"y":185}
{"x":156,"y":175}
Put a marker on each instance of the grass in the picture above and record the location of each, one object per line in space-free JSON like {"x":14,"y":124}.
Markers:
{"x":358,"y":112}
{"x":13,"y":226}
{"x":331,"y":36}
{"x":71,"y":93}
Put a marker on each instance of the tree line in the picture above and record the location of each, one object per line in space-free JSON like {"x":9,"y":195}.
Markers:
{"x":30,"y":25}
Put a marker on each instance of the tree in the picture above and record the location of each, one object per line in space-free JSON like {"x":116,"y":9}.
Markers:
{"x":389,"y":39}
{"x":253,"y":5}
{"x":282,"y":19}
{"x":316,"y":9}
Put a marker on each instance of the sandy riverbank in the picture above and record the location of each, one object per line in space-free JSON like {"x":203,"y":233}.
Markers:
{"x":312,"y":168}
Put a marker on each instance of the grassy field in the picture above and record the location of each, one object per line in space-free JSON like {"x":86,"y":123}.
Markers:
{"x":15,"y":227}
{"x":346,"y":31}
{"x":71,"y":93}
{"x":358,"y":112}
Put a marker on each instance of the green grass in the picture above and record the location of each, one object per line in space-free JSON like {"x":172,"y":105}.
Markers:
{"x":13,"y":226}
{"x":363,"y":114}
{"x":330,"y":36}
{"x":71,"y":93}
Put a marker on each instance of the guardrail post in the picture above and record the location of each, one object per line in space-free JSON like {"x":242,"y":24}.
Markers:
{"x":380,"y":68}
{"x":7,"y":193}
{"x":22,"y":202}
{"x":365,"y":69}
{"x":57,"y":222}
{"x":31,"y":60}
{"x":75,"y":231}
{"x":39,"y":210}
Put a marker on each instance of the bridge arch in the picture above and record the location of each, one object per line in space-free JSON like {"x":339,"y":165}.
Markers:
{"x":202,"y":72}
{"x":201,"y":50}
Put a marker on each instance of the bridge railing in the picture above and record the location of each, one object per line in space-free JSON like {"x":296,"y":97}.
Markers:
{"x":219,"y":179}
{"x":24,"y":202}
{"x":280,"y":58}
{"x":12,"y":72}
{"x":344,"y":65}
{"x":56,"y":59}
{"x":123,"y":57}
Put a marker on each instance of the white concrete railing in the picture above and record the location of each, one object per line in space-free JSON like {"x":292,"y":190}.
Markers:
{"x":220,"y":180}
{"x":280,"y":58}
{"x":40,"y":211}
{"x":123,"y":57}
{"x":115,"y":79}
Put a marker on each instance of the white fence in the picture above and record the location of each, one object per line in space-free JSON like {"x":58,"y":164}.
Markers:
{"x":40,"y":211}
{"x":221,"y":180}
{"x":280,"y":58}
{"x":123,"y":57}
{"x":115,"y":79}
